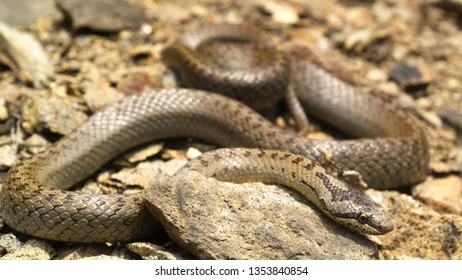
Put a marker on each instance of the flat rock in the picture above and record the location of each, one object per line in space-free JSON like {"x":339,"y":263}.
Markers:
{"x":26,"y":12}
{"x":94,"y":252}
{"x":33,"y":249}
{"x":420,"y":232}
{"x":219,"y":220}
{"x":53,"y":113}
{"x":103,"y":15}
{"x":442,"y":194}
{"x":9,"y":243}
{"x":150,"y":251}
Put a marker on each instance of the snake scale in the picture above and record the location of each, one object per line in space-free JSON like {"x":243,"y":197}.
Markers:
{"x":34,"y":199}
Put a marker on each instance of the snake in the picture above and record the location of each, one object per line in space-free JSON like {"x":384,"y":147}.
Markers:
{"x":390,"y":148}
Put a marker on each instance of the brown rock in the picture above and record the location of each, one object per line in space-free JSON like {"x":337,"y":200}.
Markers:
{"x":442,"y":194}
{"x":420,"y":232}
{"x":103,"y":15}
{"x":149,"y":251}
{"x":48,"y":112}
{"x":94,"y":252}
{"x":219,"y":220}
{"x":32,"y":250}
{"x":26,"y":11}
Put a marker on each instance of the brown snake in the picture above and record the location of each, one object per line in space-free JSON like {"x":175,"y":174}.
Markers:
{"x":33,"y":199}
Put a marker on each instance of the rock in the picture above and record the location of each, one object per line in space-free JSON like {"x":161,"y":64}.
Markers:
{"x":452,"y":117}
{"x":9,"y":243}
{"x":103,"y":15}
{"x":420,"y":232}
{"x":143,"y":153}
{"x":280,"y":12}
{"x":100,"y":93}
{"x":26,"y":12}
{"x":135,"y":83}
{"x":8,"y":152}
{"x":25,"y":56}
{"x":442,"y":194}
{"x":93,"y":252}
{"x":36,"y":143}
{"x":219,"y":220}
{"x":146,"y":172}
{"x":49,"y":112}
{"x":33,"y":249}
{"x":149,"y":251}
{"x":411,"y":75}
{"x":167,"y":12}
{"x":4,"y":115}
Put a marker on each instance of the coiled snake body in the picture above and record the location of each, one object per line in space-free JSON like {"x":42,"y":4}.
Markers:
{"x":34,"y":200}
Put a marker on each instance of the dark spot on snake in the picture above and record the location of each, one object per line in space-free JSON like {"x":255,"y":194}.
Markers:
{"x":216,"y":157}
{"x":309,"y":166}
{"x":271,"y":134}
{"x":261,"y":153}
{"x":256,"y":126}
{"x":274,"y":155}
{"x":247,"y":153}
{"x":204,"y":162}
{"x":297,"y":160}
{"x":285,"y":156}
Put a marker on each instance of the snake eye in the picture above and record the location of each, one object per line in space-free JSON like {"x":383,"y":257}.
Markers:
{"x":363,"y":218}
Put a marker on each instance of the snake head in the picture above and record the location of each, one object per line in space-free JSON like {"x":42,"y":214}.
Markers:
{"x":364,"y":215}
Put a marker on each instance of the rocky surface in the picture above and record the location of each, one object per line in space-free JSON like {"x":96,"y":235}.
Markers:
{"x":217,"y":220}
{"x":98,"y":58}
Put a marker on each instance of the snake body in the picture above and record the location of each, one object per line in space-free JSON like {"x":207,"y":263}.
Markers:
{"x":33,"y":199}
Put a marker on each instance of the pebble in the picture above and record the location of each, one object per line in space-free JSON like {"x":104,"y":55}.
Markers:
{"x":103,"y":15}
{"x":442,"y":194}
{"x":149,"y":251}
{"x":33,"y":249}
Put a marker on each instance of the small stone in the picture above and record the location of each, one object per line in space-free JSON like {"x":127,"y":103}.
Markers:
{"x":49,"y":112}
{"x":442,"y":194}
{"x":32,"y":250}
{"x":167,"y":12}
{"x":135,"y":83}
{"x":99,"y":94}
{"x":145,"y":173}
{"x":280,"y":12}
{"x":36,"y":143}
{"x":193,"y":153}
{"x":103,"y":15}
{"x":26,"y":12}
{"x":4,"y":115}
{"x":144,"y":152}
{"x":8,"y":152}
{"x":9,"y":243}
{"x":411,"y":75}
{"x":149,"y":251}
{"x":451,"y":116}
{"x":93,"y":252}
